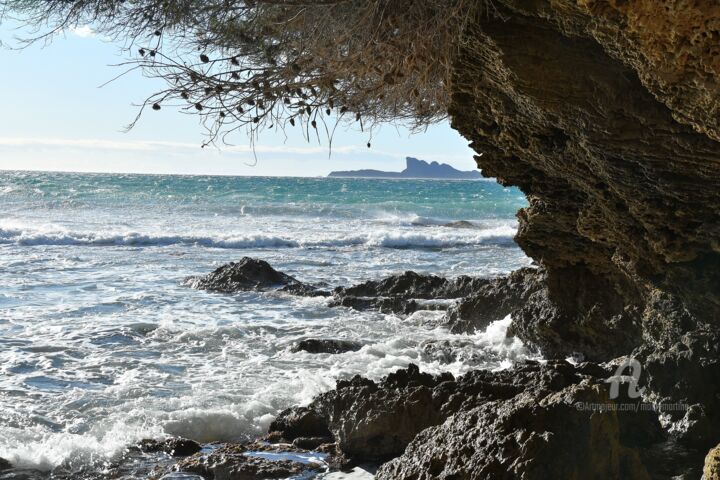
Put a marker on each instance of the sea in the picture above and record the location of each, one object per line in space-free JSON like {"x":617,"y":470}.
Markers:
{"x":103,"y":344}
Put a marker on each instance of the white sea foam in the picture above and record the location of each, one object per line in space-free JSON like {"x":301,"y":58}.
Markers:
{"x":378,"y":238}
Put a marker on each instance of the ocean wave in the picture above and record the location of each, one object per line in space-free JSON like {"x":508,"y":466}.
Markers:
{"x":500,"y":235}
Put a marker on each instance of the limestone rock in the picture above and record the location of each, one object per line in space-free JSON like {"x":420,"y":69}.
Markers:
{"x":711,"y":471}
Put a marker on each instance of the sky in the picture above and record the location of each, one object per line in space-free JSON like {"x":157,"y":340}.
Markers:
{"x":56,"y":117}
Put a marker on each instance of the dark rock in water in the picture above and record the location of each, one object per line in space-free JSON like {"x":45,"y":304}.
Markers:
{"x":298,"y":422}
{"x":176,"y":446}
{"x":402,"y":293}
{"x":251,"y":274}
{"x":411,"y":285}
{"x":311,"y":443}
{"x":304,"y":290}
{"x":247,"y":274}
{"x":493,"y":300}
{"x":381,"y":304}
{"x":320,"y":345}
{"x":4,"y":464}
{"x":236,"y":462}
{"x":460,"y":224}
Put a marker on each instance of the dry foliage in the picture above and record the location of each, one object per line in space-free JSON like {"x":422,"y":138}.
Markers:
{"x":258,"y":64}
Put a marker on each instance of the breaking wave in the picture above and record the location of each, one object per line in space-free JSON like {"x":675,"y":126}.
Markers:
{"x":437,"y":238}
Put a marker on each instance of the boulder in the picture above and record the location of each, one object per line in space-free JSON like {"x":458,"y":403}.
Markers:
{"x":326,"y":345}
{"x":299,"y":422}
{"x":247,"y":274}
{"x":175,"y":446}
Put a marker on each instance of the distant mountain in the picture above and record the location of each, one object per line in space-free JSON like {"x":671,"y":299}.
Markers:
{"x":414,"y":168}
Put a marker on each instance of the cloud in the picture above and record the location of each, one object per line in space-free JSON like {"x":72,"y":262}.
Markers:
{"x":83,"y":31}
{"x":164,"y":146}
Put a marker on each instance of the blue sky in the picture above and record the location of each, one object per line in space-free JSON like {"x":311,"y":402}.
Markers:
{"x":54,"y":117}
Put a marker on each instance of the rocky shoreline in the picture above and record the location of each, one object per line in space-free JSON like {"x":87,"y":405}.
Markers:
{"x":542,"y":420}
{"x":536,"y":420}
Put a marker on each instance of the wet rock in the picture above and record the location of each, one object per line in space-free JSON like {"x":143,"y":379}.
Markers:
{"x":411,"y":285}
{"x":247,"y":274}
{"x":381,"y":304}
{"x":311,"y":443}
{"x":405,"y":293}
{"x":377,"y":421}
{"x":176,"y":446}
{"x":298,"y":422}
{"x":236,"y":462}
{"x":4,"y":464}
{"x":711,"y":470}
{"x":304,"y":290}
{"x":460,"y":224}
{"x":532,"y":420}
{"x":535,"y":435}
{"x":686,"y":374}
{"x":494,"y":300}
{"x":372,"y":421}
{"x":324,"y":345}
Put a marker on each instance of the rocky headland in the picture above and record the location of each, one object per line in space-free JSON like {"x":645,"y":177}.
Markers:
{"x":414,"y":168}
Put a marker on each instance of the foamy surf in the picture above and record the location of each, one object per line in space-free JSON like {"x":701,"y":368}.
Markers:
{"x":34,"y":236}
{"x":45,"y":449}
{"x":101,"y":344}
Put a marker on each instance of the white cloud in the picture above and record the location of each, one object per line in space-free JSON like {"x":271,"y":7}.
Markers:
{"x":152,"y":145}
{"x":83,"y":31}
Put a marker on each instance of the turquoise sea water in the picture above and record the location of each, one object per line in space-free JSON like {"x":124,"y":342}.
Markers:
{"x":101,"y":344}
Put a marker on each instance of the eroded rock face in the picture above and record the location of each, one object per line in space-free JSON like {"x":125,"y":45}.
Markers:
{"x":605,"y":115}
{"x":494,"y":299}
{"x":569,"y":101}
{"x":528,"y":437}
